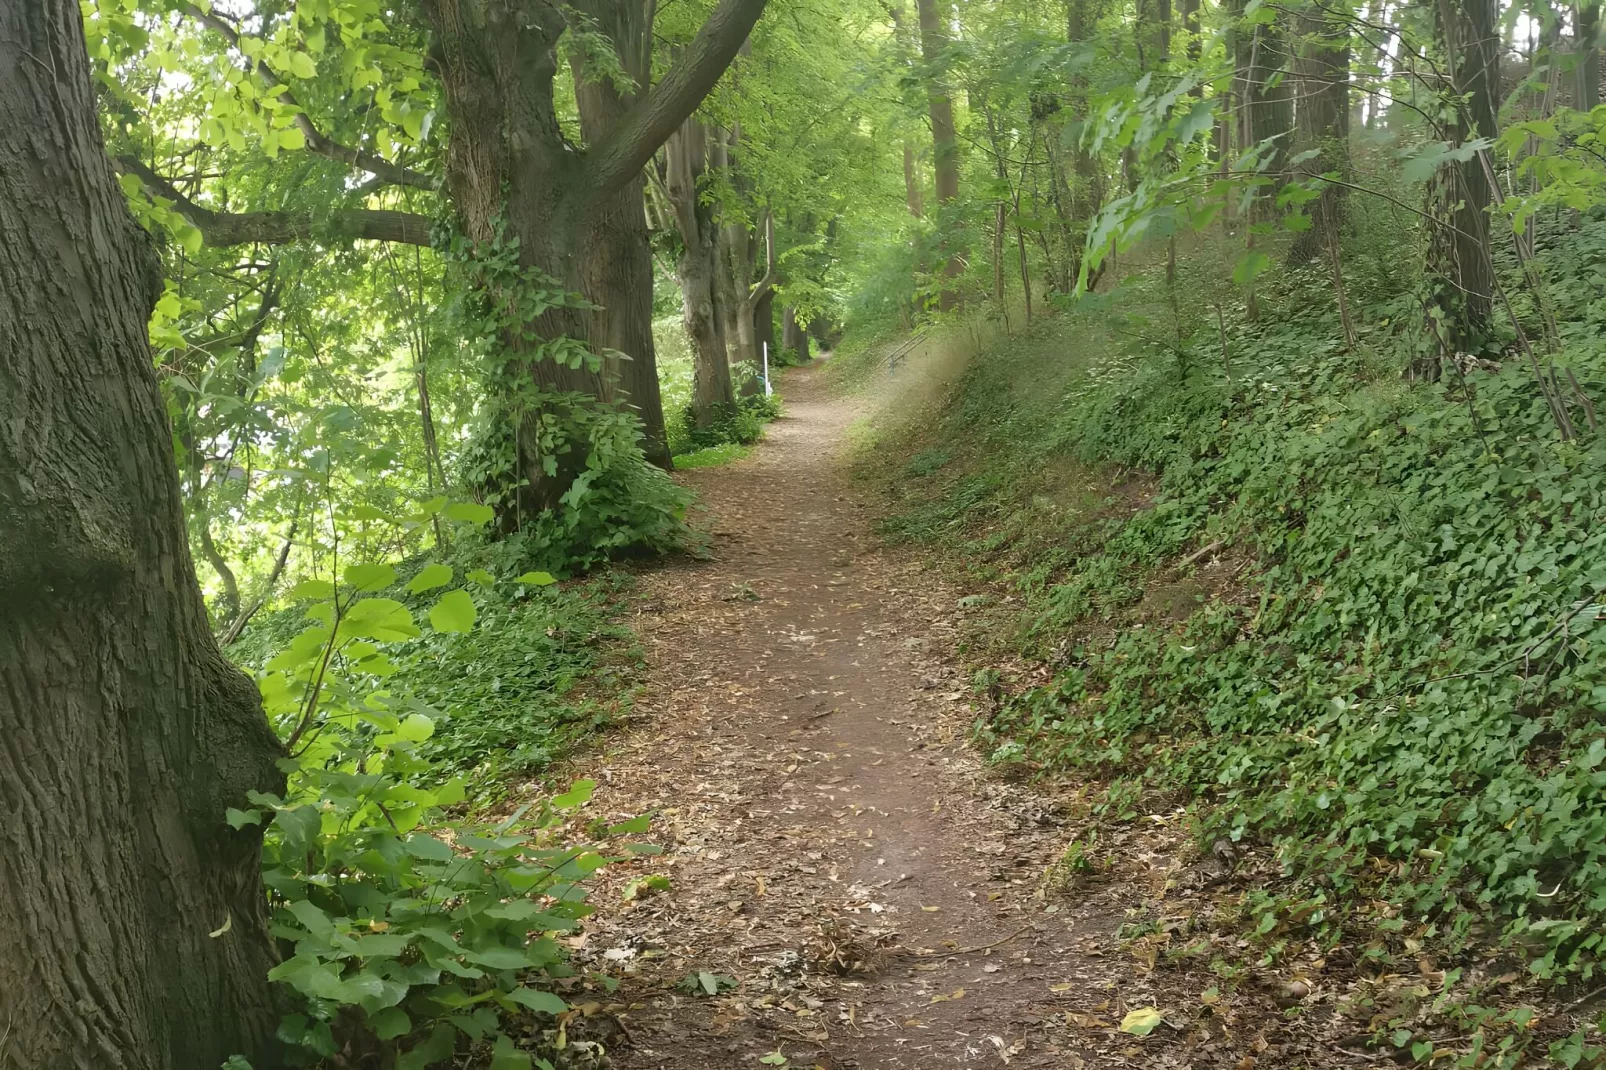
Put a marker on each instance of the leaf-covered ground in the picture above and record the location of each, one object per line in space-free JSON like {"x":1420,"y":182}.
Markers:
{"x":845,"y":884}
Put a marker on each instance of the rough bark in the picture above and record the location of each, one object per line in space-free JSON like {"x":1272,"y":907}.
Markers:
{"x":1266,"y":101}
{"x":1086,"y":195}
{"x":687,"y":162}
{"x":126,"y":732}
{"x":1458,"y":255}
{"x":1587,"y":19}
{"x":615,"y":254}
{"x":1322,"y":73}
{"x":794,"y":339}
{"x":944,"y":138}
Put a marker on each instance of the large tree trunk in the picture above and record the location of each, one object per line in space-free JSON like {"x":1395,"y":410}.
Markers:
{"x":1322,"y":69}
{"x":615,"y":253}
{"x":577,"y":216}
{"x":1459,"y":257}
{"x":944,"y":138}
{"x":127,"y":733}
{"x":687,"y":160}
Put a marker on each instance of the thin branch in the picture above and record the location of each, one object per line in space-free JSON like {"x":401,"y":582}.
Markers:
{"x":222,"y":229}
{"x":317,"y":144}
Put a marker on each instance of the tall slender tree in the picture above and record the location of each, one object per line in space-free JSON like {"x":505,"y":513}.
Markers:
{"x":944,"y":137}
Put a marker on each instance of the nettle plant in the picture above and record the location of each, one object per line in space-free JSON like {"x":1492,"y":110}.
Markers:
{"x":411,"y":934}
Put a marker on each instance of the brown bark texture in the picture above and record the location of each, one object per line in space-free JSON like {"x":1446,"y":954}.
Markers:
{"x":1322,"y":74}
{"x":944,"y":137}
{"x":1458,"y":254}
{"x":686,"y":165}
{"x":132,"y":918}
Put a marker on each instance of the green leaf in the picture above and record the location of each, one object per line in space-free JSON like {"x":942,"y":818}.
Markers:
{"x":1142,"y":1021}
{"x":470,"y":512}
{"x":579,"y":794}
{"x":480,"y":576}
{"x":504,"y":1056}
{"x":428,"y":848}
{"x":383,"y":619}
{"x":1252,"y":266}
{"x":538,"y":1001}
{"x":311,"y":917}
{"x":439,"y":1046}
{"x":390,"y":1023}
{"x":311,"y":590}
{"x":416,"y":727}
{"x":370,"y":578}
{"x":454,"y":612}
{"x":499,"y":958}
{"x":430,"y":577}
{"x":302,"y":65}
{"x":774,"y":1058}
{"x":537,"y":579}
{"x":241,"y":818}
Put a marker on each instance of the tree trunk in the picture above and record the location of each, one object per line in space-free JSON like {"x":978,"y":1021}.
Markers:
{"x":687,"y":163}
{"x":1087,"y":193}
{"x":127,"y":732}
{"x":944,"y":138}
{"x":1322,"y":69}
{"x":577,"y":216}
{"x":1469,"y":31}
{"x":615,"y":251}
{"x":1587,"y":19}
{"x":794,"y":339}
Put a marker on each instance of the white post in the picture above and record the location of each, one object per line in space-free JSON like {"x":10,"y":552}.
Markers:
{"x":767,"y":390}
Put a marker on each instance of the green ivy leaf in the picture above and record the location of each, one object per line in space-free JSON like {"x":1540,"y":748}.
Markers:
{"x":454,"y":612}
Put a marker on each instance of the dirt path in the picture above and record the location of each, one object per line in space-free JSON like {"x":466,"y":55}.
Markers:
{"x":859,"y":890}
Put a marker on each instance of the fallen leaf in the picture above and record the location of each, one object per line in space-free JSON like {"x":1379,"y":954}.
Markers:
{"x":959,"y":993}
{"x":1085,"y":1021}
{"x":1141,"y":1022}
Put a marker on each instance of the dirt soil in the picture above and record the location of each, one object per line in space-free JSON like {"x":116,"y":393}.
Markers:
{"x":845,"y":875}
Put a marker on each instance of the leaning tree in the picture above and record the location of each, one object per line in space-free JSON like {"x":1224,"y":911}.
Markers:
{"x":132,"y":919}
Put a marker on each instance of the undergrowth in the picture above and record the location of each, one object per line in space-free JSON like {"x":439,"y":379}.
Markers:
{"x":1398,"y":691}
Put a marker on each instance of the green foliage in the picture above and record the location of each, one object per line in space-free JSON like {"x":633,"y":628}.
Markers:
{"x":712,"y":456}
{"x":739,"y":424}
{"x":1402,"y":699}
{"x":408,"y":926}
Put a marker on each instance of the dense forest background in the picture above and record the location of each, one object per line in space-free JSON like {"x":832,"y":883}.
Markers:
{"x":438,"y":294}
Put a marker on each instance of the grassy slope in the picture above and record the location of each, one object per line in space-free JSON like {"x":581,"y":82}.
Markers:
{"x":1388,"y":677}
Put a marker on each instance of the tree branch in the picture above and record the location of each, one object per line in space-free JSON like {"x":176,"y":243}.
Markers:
{"x":221,"y":229}
{"x":767,"y":283}
{"x":650,"y":124}
{"x":317,"y":144}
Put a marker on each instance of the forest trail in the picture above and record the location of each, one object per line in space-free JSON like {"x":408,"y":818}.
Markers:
{"x":834,"y":847}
